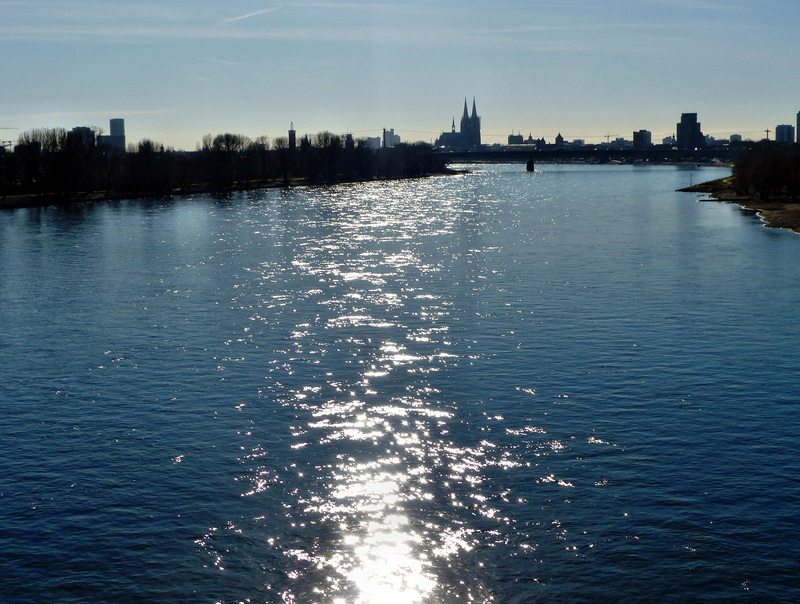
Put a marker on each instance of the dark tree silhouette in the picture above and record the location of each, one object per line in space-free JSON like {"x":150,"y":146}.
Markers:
{"x":60,"y":164}
{"x":285,"y":156}
{"x":151,"y":169}
{"x":769,"y":171}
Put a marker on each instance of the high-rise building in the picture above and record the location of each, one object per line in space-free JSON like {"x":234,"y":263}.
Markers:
{"x":784,"y":133}
{"x":642,"y":139}
{"x":292,"y":137}
{"x":117,"y":126}
{"x":115,"y":140}
{"x":689,"y":134}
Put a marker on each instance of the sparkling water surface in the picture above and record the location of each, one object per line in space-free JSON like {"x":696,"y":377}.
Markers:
{"x":571,"y":385}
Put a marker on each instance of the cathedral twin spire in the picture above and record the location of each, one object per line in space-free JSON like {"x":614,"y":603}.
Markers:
{"x":474,"y":111}
{"x":469,"y":135}
{"x":471,"y":126}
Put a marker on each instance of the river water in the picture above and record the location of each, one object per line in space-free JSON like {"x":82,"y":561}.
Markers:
{"x":571,"y":385}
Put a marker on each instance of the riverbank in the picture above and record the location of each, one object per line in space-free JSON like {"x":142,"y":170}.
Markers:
{"x":774,"y":214}
{"x":32,"y":200}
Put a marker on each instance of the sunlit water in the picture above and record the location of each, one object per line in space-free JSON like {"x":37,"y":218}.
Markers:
{"x":572,"y":385}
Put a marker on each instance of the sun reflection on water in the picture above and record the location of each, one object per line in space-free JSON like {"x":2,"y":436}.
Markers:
{"x":383,"y":440}
{"x":383,"y":555}
{"x":388,"y":569}
{"x":382,"y":491}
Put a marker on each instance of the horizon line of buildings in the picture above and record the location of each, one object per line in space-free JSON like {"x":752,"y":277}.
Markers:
{"x":688,"y":135}
{"x":114,"y":140}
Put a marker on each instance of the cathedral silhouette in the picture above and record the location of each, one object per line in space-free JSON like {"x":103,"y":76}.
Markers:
{"x":468,"y":137}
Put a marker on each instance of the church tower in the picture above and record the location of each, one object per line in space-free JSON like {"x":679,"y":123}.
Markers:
{"x":470,"y":126}
{"x":476,"y":126}
{"x":466,"y":124}
{"x":469,"y":135}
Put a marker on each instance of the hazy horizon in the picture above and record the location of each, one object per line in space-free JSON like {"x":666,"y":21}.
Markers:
{"x":178,"y":71}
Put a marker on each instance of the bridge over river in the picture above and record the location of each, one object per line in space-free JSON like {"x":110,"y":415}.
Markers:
{"x":588,"y":154}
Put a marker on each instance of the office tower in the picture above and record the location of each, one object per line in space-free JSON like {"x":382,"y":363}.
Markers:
{"x":689,"y":134}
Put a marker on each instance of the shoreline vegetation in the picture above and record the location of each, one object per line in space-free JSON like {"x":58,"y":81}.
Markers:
{"x":55,"y":167}
{"x":765,"y":182}
{"x":52,"y":167}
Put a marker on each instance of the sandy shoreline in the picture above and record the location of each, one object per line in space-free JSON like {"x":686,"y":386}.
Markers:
{"x":774,"y":214}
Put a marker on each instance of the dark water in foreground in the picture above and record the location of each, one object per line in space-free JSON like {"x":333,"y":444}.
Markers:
{"x":572,"y":385}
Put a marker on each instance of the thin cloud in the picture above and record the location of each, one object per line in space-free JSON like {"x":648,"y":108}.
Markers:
{"x":222,"y":62}
{"x":695,"y":4}
{"x":248,"y":15}
{"x":359,"y":6}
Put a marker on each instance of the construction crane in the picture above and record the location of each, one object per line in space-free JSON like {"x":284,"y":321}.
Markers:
{"x":4,"y":143}
{"x":608,"y":137}
{"x":767,"y":131}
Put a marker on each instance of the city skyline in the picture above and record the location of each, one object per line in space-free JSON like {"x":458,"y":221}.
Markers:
{"x":177,"y":72}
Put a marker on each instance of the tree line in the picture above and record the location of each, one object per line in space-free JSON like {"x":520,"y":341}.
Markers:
{"x":768,"y":170}
{"x":56,"y":163}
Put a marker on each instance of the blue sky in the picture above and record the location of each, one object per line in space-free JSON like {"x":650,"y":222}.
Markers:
{"x":179,"y":69}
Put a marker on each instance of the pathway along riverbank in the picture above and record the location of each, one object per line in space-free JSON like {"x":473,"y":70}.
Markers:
{"x":775,"y":214}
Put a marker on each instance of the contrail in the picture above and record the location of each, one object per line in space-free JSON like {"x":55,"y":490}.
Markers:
{"x":247,"y":16}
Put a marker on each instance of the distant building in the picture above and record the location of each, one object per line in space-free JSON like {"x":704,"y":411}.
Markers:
{"x":617,"y":144}
{"x":539,"y":143}
{"x":515,"y":139}
{"x":468,"y":137}
{"x":736,"y":138}
{"x":374,"y":142}
{"x":784,"y":133}
{"x":114,"y":141}
{"x":798,"y":123}
{"x":81,"y":137}
{"x":390,"y":139}
{"x":642,"y":139}
{"x":668,"y":140}
{"x":117,"y":126}
{"x":559,"y":140}
{"x":292,"y":137}
{"x":689,"y":134}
